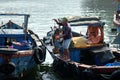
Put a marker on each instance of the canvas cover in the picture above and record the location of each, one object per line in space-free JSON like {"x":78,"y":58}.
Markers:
{"x":81,"y":42}
{"x":103,"y":55}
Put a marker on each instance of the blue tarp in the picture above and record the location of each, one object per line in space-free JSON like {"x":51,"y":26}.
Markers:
{"x":113,"y":64}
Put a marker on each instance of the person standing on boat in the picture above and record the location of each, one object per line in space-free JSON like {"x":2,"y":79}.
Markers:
{"x":67,"y":36}
{"x":118,"y":10}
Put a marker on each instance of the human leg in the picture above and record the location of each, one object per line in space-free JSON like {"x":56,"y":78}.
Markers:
{"x":66,"y":51}
{"x":57,"y":46}
{"x":65,"y":45}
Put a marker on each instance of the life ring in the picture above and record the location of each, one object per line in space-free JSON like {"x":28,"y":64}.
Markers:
{"x":38,"y":55}
{"x":115,"y":75}
{"x":7,"y":68}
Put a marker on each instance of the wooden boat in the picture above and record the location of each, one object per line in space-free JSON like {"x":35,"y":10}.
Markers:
{"x":20,"y":48}
{"x":88,"y":60}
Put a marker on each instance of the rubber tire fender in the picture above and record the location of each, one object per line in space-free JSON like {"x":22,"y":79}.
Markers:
{"x":38,"y":55}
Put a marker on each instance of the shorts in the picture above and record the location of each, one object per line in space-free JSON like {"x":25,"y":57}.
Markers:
{"x":57,"y":43}
{"x":66,"y":43}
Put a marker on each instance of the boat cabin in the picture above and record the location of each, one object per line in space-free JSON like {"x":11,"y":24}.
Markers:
{"x":14,"y":35}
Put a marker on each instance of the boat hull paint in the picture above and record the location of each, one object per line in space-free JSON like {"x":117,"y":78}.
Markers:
{"x":20,"y":76}
{"x":79,"y":71}
{"x":23,"y":60}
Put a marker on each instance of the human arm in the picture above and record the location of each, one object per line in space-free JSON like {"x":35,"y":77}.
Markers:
{"x":57,"y":22}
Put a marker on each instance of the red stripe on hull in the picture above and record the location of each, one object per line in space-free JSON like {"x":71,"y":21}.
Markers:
{"x":19,"y":54}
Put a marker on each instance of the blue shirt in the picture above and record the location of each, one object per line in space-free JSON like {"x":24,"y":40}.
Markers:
{"x":67,"y":32}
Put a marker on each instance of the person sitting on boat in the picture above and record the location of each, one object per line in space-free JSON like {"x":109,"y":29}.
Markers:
{"x":8,"y":43}
{"x":95,"y":35}
{"x":93,"y":39}
{"x":118,"y":13}
{"x":67,"y":36}
{"x":10,"y":24}
{"x":57,"y":41}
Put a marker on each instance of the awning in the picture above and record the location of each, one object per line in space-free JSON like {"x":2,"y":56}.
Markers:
{"x":84,"y":21}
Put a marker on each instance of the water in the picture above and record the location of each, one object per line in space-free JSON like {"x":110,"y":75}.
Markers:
{"x":43,"y":11}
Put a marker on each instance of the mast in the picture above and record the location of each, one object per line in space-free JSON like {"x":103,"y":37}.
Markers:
{"x":26,"y":25}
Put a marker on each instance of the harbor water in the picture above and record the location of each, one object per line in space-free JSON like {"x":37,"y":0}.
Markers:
{"x":43,"y":11}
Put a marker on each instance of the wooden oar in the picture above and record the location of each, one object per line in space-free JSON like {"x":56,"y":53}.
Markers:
{"x":51,"y":53}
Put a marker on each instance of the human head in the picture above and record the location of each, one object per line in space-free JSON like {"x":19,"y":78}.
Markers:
{"x":64,"y":20}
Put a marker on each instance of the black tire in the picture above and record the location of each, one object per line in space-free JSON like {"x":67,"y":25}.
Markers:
{"x":38,"y":55}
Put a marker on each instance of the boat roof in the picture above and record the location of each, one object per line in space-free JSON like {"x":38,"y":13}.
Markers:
{"x":13,"y":14}
{"x":88,"y":23}
{"x":7,"y":25}
{"x":11,"y":25}
{"x":94,"y":21}
{"x":11,"y":31}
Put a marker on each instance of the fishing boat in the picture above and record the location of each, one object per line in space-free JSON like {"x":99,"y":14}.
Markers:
{"x":20,"y":48}
{"x":90,"y":58}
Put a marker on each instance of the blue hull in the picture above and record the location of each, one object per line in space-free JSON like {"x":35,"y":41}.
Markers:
{"x":20,"y":48}
{"x":22,"y":65}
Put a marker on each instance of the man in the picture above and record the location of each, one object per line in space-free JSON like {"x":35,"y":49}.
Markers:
{"x":67,"y":36}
